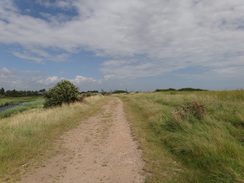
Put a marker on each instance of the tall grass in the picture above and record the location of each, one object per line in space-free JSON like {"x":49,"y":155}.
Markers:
{"x":29,"y":134}
{"x":202,"y":130}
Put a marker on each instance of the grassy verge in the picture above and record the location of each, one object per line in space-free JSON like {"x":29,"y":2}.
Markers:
{"x":32,"y":133}
{"x":190,"y":136}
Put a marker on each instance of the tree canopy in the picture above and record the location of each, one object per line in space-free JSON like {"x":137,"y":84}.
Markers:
{"x":63,"y":92}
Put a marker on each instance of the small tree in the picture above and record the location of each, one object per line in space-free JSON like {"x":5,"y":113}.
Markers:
{"x":2,"y":91}
{"x":63,"y":92}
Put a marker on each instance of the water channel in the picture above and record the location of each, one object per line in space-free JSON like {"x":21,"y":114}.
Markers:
{"x":9,"y":106}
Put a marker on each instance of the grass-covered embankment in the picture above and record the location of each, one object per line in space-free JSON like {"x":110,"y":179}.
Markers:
{"x":30,"y":134}
{"x":190,"y":136}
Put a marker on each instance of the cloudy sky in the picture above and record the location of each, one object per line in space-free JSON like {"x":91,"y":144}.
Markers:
{"x":114,"y":44}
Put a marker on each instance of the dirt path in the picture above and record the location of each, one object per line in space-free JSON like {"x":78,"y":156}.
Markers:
{"x":100,"y":150}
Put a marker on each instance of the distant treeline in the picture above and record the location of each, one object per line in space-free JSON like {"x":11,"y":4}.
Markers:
{"x":89,"y":93}
{"x":20,"y":93}
{"x":25,"y":93}
{"x":182,"y":89}
{"x":120,"y":91}
{"x":93,"y":91}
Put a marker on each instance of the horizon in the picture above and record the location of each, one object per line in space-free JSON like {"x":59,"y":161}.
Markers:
{"x":134,"y":91}
{"x":132,"y":44}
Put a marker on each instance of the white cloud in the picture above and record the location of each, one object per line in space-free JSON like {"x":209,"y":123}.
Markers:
{"x":9,"y":78}
{"x":47,"y":81}
{"x":34,"y":80}
{"x":230,"y":72}
{"x":82,"y":79}
{"x":5,"y":71}
{"x":66,"y":4}
{"x":26,"y":56}
{"x":142,"y":37}
{"x":40,"y":55}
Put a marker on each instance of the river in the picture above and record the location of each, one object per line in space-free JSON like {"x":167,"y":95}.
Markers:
{"x":9,"y":106}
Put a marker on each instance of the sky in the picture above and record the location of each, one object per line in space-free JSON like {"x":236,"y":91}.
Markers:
{"x":134,"y":45}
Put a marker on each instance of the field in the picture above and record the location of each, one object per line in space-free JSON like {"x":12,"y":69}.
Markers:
{"x":189,"y":136}
{"x":185,"y":137}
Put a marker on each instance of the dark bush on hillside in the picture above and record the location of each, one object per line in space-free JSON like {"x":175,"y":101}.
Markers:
{"x":182,"y":89}
{"x":106,"y":93}
{"x":63,"y":92}
{"x":120,"y":91}
{"x":194,"y":108}
{"x":165,"y":90}
{"x":191,"y":89}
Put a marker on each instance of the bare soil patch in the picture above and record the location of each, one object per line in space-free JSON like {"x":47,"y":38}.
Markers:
{"x":101,"y":149}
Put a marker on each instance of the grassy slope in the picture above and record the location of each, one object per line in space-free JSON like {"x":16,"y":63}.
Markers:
{"x":179,"y":147}
{"x":31,"y":133}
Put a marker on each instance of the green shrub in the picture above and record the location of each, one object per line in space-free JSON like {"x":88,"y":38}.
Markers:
{"x":63,"y":92}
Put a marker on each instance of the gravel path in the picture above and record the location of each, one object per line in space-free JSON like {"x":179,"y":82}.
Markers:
{"x":101,"y":149}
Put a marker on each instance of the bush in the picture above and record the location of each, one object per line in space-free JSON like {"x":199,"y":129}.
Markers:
{"x":165,"y":90}
{"x":120,"y":91}
{"x":63,"y":92}
{"x":191,"y":89}
{"x":194,"y":108}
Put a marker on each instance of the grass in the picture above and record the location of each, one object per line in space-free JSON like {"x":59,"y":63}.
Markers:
{"x":4,"y":101}
{"x":31,"y":134}
{"x":190,"y":136}
{"x":30,"y":103}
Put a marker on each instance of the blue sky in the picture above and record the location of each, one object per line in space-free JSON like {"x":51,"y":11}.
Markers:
{"x":130,"y":44}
